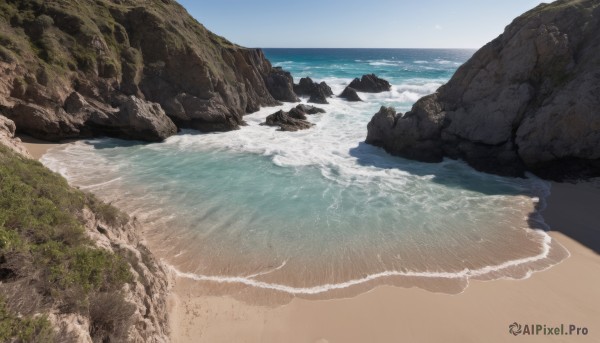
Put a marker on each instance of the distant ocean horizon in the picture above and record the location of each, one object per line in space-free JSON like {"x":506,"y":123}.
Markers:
{"x":425,"y":49}
{"x":319,"y":213}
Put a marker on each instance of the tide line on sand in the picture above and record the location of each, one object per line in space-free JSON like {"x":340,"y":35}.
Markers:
{"x":464,"y":274}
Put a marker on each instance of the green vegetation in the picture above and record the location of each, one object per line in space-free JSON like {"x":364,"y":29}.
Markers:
{"x":43,"y":247}
{"x":90,"y":37}
{"x":23,"y":329}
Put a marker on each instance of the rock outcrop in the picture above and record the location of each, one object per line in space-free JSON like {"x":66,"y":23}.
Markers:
{"x":110,"y":51}
{"x":318,"y":92}
{"x":147,"y":294}
{"x":7,"y":137}
{"x":370,"y":84}
{"x":293,"y":120}
{"x":134,"y":119}
{"x":528,"y":100}
{"x":280,"y":84}
{"x":350,"y":94}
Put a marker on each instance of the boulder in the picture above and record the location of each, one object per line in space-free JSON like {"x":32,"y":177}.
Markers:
{"x":370,"y":84}
{"x":349,"y":94}
{"x":144,"y":120}
{"x":527,"y":101}
{"x":207,"y":115}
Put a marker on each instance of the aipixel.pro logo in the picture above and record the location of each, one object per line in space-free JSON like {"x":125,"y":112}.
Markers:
{"x":517,"y":329}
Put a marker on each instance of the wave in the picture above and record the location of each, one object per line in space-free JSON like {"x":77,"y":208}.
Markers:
{"x":378,"y":64}
{"x":384,"y":62}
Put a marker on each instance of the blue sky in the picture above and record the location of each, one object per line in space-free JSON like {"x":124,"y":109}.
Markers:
{"x":358,"y":23}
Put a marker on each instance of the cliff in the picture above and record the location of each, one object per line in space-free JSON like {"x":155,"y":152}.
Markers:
{"x":527,"y":101}
{"x":135,"y":69}
{"x":72,"y":269}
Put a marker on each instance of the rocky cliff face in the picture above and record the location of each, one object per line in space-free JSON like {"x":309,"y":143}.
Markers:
{"x":76,"y":69}
{"x":148,"y":293}
{"x":528,"y":100}
{"x":8,"y":139}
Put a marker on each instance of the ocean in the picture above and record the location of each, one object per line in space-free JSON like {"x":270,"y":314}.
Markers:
{"x":261,"y":213}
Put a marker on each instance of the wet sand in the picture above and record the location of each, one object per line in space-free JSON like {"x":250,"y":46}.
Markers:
{"x":565,"y":294}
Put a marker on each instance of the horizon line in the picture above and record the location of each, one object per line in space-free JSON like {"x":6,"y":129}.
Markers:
{"x":367,"y":48}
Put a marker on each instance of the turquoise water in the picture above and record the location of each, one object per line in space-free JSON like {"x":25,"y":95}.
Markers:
{"x":317,"y":211}
{"x":395,"y":65}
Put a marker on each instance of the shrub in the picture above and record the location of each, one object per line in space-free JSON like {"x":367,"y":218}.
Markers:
{"x":44,"y":21}
{"x":110,"y":317}
{"x":83,"y":268}
{"x":105,"y":212}
{"x":23,"y":329}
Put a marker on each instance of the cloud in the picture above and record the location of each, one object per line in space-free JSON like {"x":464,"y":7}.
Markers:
{"x":438,"y":27}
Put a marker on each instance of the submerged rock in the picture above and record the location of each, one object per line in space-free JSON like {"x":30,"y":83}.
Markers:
{"x":310,"y":109}
{"x":288,"y":121}
{"x":370,"y":84}
{"x":528,"y":100}
{"x":349,"y":94}
{"x":297,"y":113}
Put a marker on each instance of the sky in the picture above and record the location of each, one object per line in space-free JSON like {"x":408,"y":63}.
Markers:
{"x":358,"y":23}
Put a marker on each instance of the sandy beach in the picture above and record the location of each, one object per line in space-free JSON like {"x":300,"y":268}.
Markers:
{"x":37,"y":147}
{"x":565,"y":294}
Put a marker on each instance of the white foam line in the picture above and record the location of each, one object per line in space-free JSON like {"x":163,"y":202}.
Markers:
{"x":100,"y":184}
{"x":267,"y":272}
{"x":466,"y":273}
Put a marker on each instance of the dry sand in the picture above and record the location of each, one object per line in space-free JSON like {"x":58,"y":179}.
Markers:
{"x":568,"y":293}
{"x":36,"y":147}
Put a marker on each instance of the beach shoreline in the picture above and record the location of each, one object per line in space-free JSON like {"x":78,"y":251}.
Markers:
{"x":37,"y":147}
{"x":564,"y":294}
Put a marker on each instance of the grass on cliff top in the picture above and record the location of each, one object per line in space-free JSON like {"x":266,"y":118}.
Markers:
{"x":90,"y":36}
{"x":43,"y":247}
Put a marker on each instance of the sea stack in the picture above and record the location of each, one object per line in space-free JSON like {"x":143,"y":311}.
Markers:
{"x":350,"y":94}
{"x":318,"y":92}
{"x":527,"y":101}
